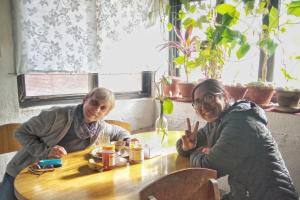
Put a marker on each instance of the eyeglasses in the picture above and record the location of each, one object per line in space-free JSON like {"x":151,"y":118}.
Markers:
{"x":96,"y":103}
{"x":208,"y":98}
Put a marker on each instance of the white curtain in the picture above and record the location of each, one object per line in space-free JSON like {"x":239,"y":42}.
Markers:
{"x":67,"y":35}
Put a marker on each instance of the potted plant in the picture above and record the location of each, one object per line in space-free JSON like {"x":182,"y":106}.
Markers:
{"x":170,"y":86}
{"x":288,"y":96}
{"x":221,"y":40}
{"x":186,"y":45}
{"x":267,"y":44}
{"x":236,"y":91}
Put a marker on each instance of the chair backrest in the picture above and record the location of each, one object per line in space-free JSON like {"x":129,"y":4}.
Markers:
{"x":8,"y":142}
{"x":122,"y":124}
{"x":186,"y":184}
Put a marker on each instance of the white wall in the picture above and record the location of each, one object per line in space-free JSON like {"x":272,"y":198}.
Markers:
{"x":285,"y":129}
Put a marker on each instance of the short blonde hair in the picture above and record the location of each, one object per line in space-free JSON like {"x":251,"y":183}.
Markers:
{"x":102,"y":93}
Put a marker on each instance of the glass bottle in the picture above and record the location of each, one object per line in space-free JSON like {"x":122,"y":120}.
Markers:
{"x":161,"y":123}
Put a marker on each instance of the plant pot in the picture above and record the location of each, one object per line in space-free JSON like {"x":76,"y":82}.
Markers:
{"x":236,"y":92}
{"x":260,"y":95}
{"x":185,"y":90}
{"x":288,"y":99}
{"x":173,"y":89}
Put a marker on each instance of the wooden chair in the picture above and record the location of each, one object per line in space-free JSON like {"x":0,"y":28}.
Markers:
{"x":186,"y":184}
{"x":8,"y":142}
{"x":122,"y":124}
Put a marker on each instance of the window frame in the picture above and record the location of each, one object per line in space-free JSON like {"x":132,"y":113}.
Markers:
{"x":26,"y":101}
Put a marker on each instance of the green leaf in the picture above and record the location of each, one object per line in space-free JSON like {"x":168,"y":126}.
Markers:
{"x":286,"y":74}
{"x":169,"y":26}
{"x":217,"y":35}
{"x":229,"y":35}
{"x":181,"y":14}
{"x":283,"y":29}
{"x":242,"y":50}
{"x":264,"y":27}
{"x":168,"y":9}
{"x":186,"y":4}
{"x":179,"y":60}
{"x":192,"y":9}
{"x":261,"y":7}
{"x":225,"y":9}
{"x":168,"y":106}
{"x":249,"y":6}
{"x":297,"y":57}
{"x":273,"y":19}
{"x":189,"y":22}
{"x":294,"y":8}
{"x":229,"y":13}
{"x":227,"y":20}
{"x":191,"y":65}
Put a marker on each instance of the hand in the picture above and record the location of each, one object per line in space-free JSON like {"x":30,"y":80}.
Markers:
{"x":189,"y":139}
{"x":57,"y":152}
{"x":205,"y":150}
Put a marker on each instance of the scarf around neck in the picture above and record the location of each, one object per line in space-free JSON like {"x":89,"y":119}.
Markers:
{"x":82,"y":129}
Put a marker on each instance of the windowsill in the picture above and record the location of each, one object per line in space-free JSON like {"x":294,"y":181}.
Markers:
{"x":273,"y":108}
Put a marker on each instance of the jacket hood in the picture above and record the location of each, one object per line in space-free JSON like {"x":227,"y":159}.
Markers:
{"x":248,"y":106}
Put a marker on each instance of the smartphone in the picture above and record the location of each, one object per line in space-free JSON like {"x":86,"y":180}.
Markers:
{"x":50,"y":162}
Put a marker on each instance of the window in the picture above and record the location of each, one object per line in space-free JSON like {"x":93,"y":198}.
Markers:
{"x":42,"y":89}
{"x":120,"y":47}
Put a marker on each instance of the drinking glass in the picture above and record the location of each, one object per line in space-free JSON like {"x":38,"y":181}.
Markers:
{"x":102,"y":140}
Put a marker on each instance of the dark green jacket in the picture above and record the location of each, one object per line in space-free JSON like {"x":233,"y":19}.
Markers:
{"x":242,"y":147}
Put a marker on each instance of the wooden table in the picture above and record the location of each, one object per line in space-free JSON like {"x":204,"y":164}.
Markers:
{"x":75,"y":180}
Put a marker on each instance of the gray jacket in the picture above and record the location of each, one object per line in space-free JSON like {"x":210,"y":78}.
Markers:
{"x":242,"y":147}
{"x":44,"y":131}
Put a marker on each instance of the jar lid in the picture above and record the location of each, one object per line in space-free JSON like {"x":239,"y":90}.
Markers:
{"x":108,"y":147}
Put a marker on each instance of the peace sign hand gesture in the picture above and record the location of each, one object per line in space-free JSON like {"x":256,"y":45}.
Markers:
{"x":189,"y":139}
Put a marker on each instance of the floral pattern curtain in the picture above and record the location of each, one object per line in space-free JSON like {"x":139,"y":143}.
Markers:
{"x":66,"y":35}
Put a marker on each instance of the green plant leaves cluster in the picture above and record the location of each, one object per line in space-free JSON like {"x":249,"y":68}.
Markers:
{"x":221,"y":38}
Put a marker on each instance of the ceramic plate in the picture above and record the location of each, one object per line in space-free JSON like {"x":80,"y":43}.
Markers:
{"x":121,"y":161}
{"x":96,"y":153}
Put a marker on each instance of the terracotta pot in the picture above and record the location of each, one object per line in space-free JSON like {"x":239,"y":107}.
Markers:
{"x":186,"y":90}
{"x":288,"y":99}
{"x":236,"y":92}
{"x":173,"y":89}
{"x":260,"y":95}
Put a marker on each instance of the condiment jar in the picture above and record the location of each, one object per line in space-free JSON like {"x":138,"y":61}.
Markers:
{"x":136,"y":153}
{"x":108,"y":157}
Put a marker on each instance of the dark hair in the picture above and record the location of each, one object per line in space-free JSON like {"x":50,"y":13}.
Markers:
{"x":211,"y":85}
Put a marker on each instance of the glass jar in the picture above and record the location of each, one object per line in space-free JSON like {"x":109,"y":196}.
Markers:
{"x":136,"y":153}
{"x":108,"y":157}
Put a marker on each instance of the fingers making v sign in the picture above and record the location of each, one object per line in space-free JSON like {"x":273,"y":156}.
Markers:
{"x":189,"y":139}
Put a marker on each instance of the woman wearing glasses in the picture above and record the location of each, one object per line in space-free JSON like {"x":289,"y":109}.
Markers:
{"x":236,"y":142}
